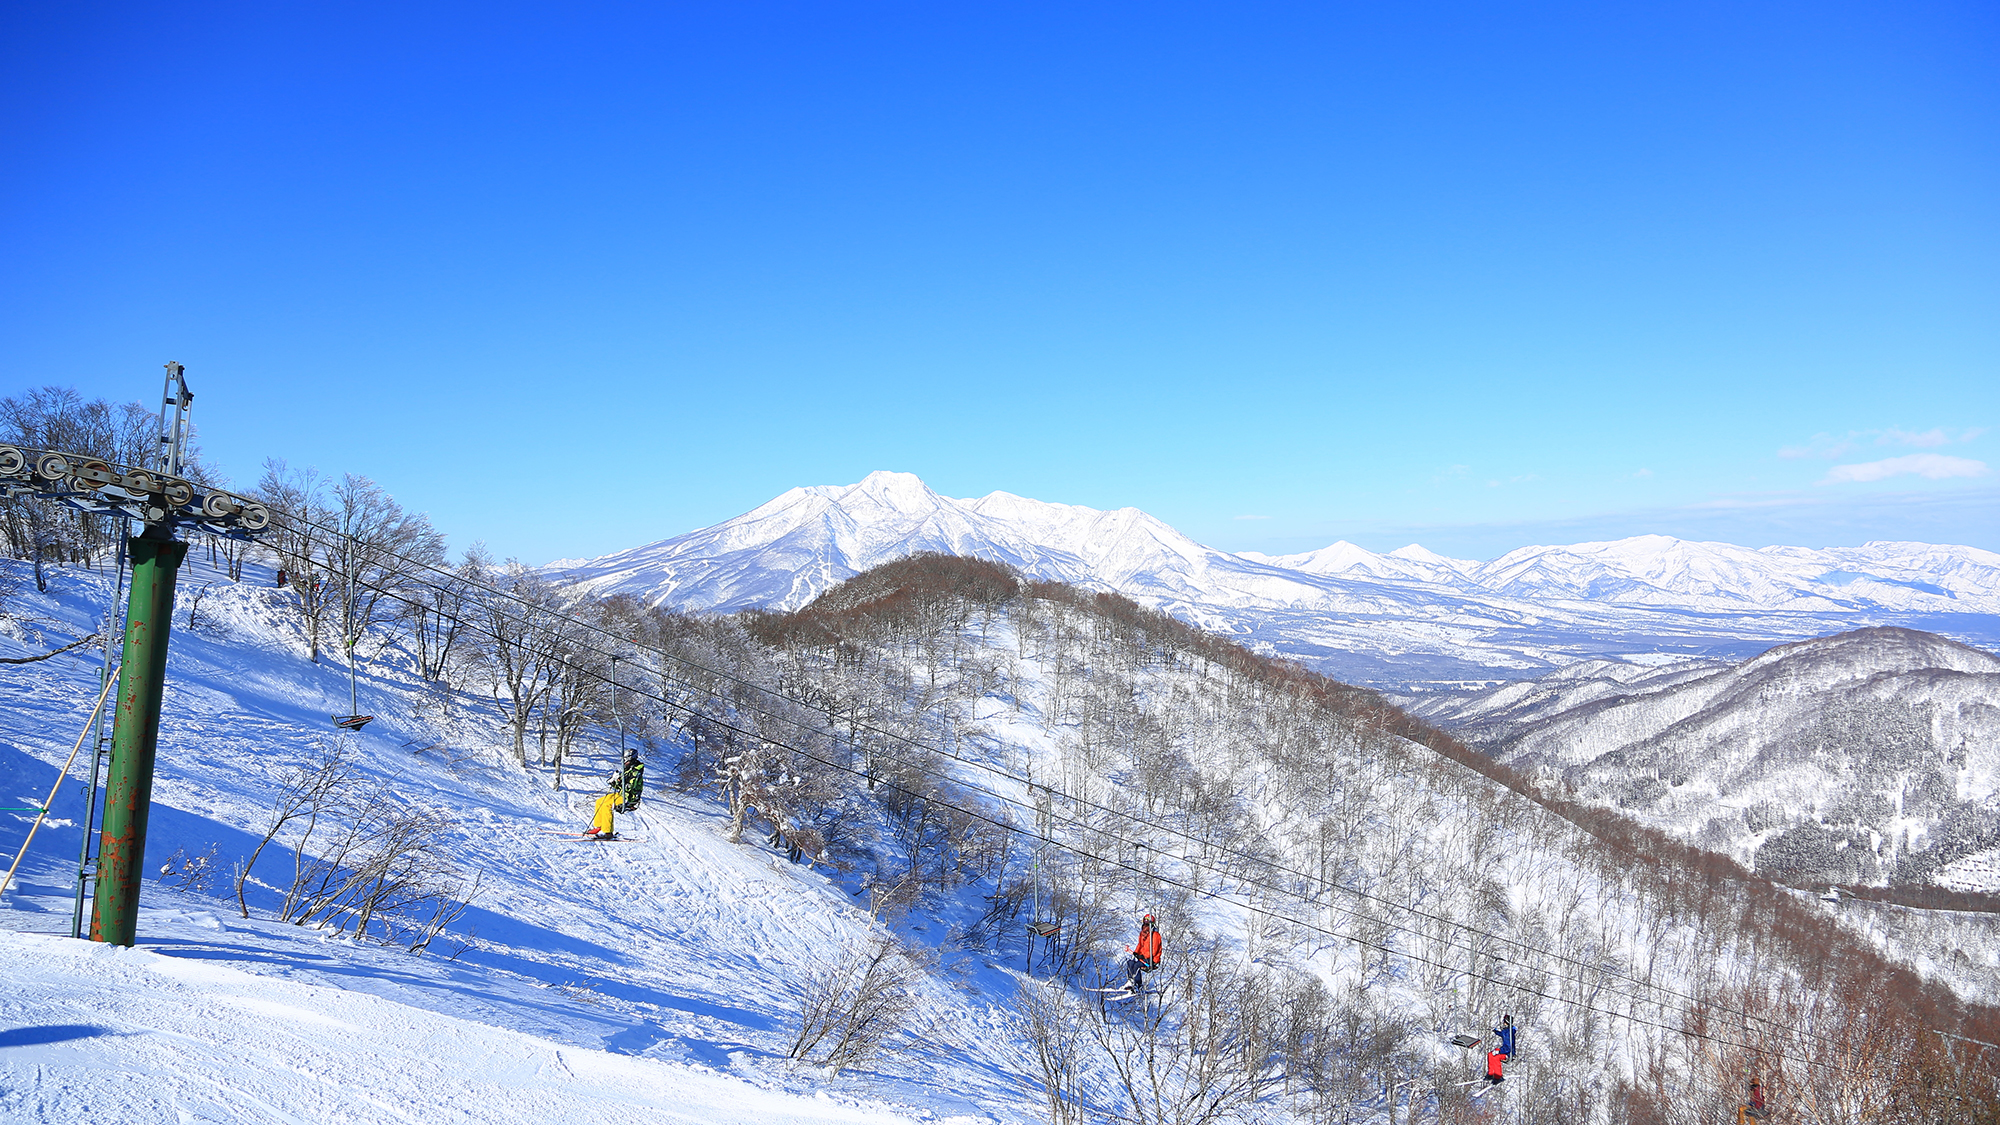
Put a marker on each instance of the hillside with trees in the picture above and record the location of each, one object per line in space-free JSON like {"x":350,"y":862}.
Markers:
{"x":947,"y":752}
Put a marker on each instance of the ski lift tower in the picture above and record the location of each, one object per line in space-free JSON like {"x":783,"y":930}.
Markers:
{"x":163,"y":501}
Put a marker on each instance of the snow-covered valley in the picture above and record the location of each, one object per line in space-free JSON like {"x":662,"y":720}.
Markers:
{"x":1865,"y":757}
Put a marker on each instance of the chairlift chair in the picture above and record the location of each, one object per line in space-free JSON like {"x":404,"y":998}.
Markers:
{"x":352,"y":722}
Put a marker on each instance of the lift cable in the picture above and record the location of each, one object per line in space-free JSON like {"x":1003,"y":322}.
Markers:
{"x":1018,"y":804}
{"x":1081,"y":802}
{"x":1077,"y":801}
{"x":1226,"y":898}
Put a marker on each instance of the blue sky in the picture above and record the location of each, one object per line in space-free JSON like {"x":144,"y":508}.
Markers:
{"x":573,"y":278}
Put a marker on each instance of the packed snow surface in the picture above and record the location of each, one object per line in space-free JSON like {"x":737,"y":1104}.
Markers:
{"x":1409,"y":617}
{"x":178,"y":1031}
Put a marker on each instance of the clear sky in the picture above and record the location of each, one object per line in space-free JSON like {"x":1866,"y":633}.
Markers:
{"x":576,"y":277}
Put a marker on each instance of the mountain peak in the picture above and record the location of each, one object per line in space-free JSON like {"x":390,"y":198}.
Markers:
{"x":1418,"y":553}
{"x":904,"y":492}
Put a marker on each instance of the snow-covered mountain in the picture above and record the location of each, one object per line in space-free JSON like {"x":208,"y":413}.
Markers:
{"x":783,"y":554}
{"x":1868,"y":756}
{"x":1408,"y":617}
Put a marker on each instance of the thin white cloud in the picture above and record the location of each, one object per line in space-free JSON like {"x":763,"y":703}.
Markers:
{"x":1932,"y":466}
{"x":1250,"y":517}
{"x":1822,"y":445}
{"x":1929,"y":439}
{"x":1733,"y":502}
{"x":1642,"y":474}
{"x":1827,"y":446}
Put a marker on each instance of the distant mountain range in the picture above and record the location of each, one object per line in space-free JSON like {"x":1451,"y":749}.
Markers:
{"x":1867,"y":756}
{"x":1409,"y":618}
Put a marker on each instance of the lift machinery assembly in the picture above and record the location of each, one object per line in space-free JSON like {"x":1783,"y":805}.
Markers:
{"x":163,"y":501}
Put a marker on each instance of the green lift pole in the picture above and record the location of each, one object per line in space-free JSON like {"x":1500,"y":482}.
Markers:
{"x":128,"y":793}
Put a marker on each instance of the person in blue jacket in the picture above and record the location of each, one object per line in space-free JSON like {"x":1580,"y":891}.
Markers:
{"x":1505,"y":1033}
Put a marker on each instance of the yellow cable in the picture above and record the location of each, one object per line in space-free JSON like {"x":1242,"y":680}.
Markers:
{"x":43,"y":815}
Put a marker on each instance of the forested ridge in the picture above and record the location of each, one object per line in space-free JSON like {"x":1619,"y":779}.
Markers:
{"x":1299,"y":794}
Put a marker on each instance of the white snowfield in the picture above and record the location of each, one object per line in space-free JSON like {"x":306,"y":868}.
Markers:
{"x":1406,"y":617}
{"x":95,"y":1033}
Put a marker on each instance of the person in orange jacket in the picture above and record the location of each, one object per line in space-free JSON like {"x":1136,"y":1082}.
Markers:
{"x":1145,"y":956}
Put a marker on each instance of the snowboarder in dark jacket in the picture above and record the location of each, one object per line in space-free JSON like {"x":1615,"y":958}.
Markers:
{"x":632,"y":781}
{"x":1505,"y":1034}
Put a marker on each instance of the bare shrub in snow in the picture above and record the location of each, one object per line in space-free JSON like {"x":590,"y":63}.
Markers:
{"x":1200,"y":1051}
{"x":1052,"y":1021}
{"x":191,"y":872}
{"x":361,"y":858}
{"x":856,"y":1003}
{"x":305,"y":792}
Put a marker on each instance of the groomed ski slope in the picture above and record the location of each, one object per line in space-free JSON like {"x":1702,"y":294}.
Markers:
{"x":182,"y":1029}
{"x":657,"y":979}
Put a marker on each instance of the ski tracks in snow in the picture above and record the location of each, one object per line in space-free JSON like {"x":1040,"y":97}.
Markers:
{"x":146,"y":1037}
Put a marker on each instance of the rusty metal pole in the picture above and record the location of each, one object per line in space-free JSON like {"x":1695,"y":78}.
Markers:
{"x":128,"y":792}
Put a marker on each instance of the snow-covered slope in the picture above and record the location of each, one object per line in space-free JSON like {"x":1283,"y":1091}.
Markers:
{"x":180,"y":1031}
{"x":1403,"y":618}
{"x":648,"y":981}
{"x":1886,"y":739}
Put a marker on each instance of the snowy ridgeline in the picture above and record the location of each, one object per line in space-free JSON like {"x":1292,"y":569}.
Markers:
{"x":1338,"y":901}
{"x":1409,"y":618}
{"x":1868,"y":757}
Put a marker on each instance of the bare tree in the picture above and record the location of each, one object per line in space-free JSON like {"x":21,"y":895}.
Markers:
{"x":1052,"y":1023}
{"x":436,"y":610}
{"x":855,"y":1003}
{"x":300,"y":513}
{"x":376,"y":550}
{"x":58,"y":418}
{"x":531,"y":634}
{"x":305,"y":793}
